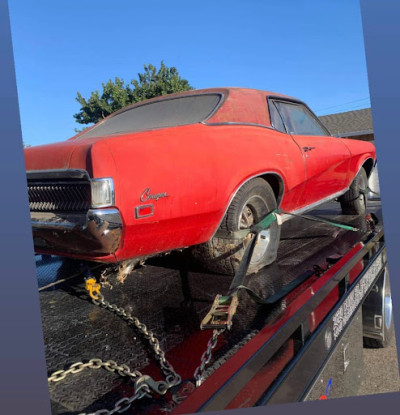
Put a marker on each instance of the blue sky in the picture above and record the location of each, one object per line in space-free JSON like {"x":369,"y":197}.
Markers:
{"x":310,"y":49}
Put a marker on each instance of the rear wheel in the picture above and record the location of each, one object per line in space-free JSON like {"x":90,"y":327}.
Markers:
{"x":354,"y":201}
{"x":252,"y":203}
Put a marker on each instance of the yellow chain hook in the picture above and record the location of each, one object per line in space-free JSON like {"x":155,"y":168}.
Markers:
{"x":93,"y":287}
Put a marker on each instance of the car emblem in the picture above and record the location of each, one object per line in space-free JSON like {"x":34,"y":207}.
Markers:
{"x":146,"y":195}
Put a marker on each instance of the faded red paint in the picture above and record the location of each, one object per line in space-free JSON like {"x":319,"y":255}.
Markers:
{"x":201,"y":167}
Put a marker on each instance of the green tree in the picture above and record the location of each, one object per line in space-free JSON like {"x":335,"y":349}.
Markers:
{"x":116,"y":94}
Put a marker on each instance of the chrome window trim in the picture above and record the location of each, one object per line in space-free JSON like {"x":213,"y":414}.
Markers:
{"x":271,"y":102}
{"x":251,"y":124}
{"x":222,"y":99}
{"x":296,"y":102}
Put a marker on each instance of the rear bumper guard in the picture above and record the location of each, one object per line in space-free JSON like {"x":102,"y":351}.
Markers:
{"x":95,"y":233}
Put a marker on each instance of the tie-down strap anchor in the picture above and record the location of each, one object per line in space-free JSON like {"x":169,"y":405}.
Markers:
{"x":224,"y":306}
{"x":221,"y":312}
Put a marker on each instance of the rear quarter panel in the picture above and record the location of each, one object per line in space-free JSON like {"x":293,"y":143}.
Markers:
{"x":360,"y":151}
{"x":174,"y":161}
{"x":199,"y":167}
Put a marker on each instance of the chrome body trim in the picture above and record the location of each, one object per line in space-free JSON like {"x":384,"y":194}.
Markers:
{"x":249,"y":124}
{"x":324,"y":200}
{"x":57,"y":174}
{"x":311,"y":206}
{"x":97,"y":232}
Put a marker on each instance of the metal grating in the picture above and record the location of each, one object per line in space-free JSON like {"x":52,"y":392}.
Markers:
{"x":61,"y":196}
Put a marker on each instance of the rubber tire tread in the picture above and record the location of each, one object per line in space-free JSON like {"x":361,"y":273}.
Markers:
{"x":209,"y":253}
{"x":350,"y":202}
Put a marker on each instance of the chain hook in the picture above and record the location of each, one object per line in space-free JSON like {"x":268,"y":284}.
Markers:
{"x":93,"y":287}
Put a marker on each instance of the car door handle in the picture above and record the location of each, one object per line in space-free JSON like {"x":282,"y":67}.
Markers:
{"x":305,"y":149}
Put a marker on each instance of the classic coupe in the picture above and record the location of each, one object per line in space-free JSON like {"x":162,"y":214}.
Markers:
{"x":186,"y":170}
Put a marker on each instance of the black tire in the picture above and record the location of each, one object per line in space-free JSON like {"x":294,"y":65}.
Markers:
{"x":354,"y":201}
{"x":379,"y":306}
{"x":254,"y":200}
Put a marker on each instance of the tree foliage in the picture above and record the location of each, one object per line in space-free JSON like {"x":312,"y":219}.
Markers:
{"x":117,"y":94}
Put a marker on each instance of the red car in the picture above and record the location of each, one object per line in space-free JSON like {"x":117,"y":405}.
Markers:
{"x":180,"y":170}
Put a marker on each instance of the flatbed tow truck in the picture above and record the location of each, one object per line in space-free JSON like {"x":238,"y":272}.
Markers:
{"x":305,"y":344}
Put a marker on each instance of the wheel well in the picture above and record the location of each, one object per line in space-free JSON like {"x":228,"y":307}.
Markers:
{"x":273,"y":179}
{"x":276,"y":184}
{"x":368,"y":166}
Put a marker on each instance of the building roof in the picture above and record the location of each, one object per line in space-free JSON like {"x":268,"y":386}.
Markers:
{"x":350,"y":123}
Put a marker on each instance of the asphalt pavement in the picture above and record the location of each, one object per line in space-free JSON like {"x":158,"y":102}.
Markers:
{"x":381,"y":367}
{"x":381,"y":370}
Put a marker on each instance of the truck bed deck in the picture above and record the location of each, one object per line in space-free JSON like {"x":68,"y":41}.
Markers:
{"x":170,"y":295}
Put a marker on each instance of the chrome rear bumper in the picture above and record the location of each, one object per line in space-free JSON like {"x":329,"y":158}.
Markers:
{"x":95,"y":233}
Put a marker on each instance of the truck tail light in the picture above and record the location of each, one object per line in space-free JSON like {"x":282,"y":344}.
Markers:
{"x":102,"y":192}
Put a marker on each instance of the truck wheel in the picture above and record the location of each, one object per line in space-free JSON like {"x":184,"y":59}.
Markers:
{"x":354,"y":201}
{"x":254,"y":200}
{"x":377,"y":314}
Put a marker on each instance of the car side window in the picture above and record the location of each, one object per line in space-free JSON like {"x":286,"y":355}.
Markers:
{"x":299,"y":119}
{"x":276,"y":120}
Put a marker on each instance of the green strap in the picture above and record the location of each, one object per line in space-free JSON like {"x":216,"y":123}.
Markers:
{"x":257,"y":228}
{"x":240,"y":275}
{"x":323,"y":220}
{"x":266,"y":222}
{"x":270,"y":218}
{"x":238,"y":279}
{"x":245,"y":262}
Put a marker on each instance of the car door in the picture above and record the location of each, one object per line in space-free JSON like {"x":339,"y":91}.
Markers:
{"x":327,"y":159}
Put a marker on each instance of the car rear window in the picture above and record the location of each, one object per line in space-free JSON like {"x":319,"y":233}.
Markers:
{"x":164,"y":113}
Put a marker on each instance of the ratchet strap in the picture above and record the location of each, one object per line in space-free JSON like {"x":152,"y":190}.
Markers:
{"x":224,"y":307}
{"x":323,"y":220}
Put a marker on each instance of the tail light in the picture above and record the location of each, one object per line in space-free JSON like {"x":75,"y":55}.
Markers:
{"x":102,"y":192}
